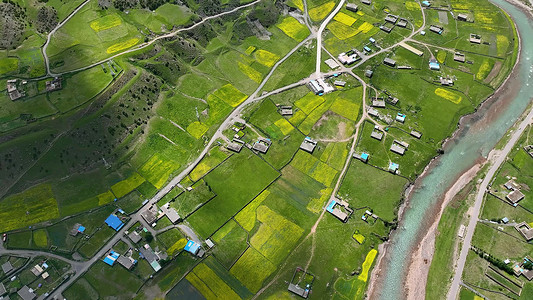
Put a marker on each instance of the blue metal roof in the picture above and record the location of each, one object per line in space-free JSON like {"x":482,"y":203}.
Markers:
{"x":364,"y":156}
{"x":367,"y":49}
{"x":114,"y":222}
{"x":331,"y":205}
{"x":192,"y":247}
{"x":81,"y":229}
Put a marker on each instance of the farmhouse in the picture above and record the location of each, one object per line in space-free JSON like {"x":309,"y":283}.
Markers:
{"x":400,"y":117}
{"x":126,"y":262}
{"x":262,"y":145}
{"x":295,"y":289}
{"x":235,"y":147}
{"x":372,"y":40}
{"x":525,"y":230}
{"x":511,"y":185}
{"x":150,"y":214}
{"x":308,"y":145}
{"x":114,"y":222}
{"x":373,"y":112}
{"x":426,"y":3}
{"x":367,"y":2}
{"x":134,"y":237}
{"x":402,"y":22}
{"x":111,"y":257}
{"x":13,"y":90}
{"x":475,"y":38}
{"x":402,"y":143}
{"x":369,"y":73}
{"x":393,"y":167}
{"x":436,"y":29}
{"x":378,"y":102}
{"x":519,"y":269}
{"x":151,"y":258}
{"x":515,"y":196}
{"x":462,"y":17}
{"x":340,"y":83}
{"x":170,"y":212}
{"x":53,"y":85}
{"x":193,"y":248}
{"x":377,"y":134}
{"x":334,"y":208}
{"x":457,"y":56}
{"x":385,"y":28}
{"x":2,"y":289}
{"x":351,"y":7}
{"x":37,"y":270}
{"x":362,"y":157}
{"x":393,"y":100}
{"x":416,"y":134}
{"x":77,"y":228}
{"x":367,"y":49}
{"x":347,"y":59}
{"x":286,"y":110}
{"x":315,"y":87}
{"x":445,"y":81}
{"x":332,"y":64}
{"x":389,"y":62}
{"x":7,"y":267}
{"x":397,"y":149}
{"x":26,"y":293}
{"x":209,"y":243}
{"x":391,"y":18}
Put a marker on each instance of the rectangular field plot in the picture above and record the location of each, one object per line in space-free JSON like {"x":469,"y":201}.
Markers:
{"x":235,"y":182}
{"x":230,"y":243}
{"x":209,"y":284}
{"x":34,"y":205}
{"x":189,"y":201}
{"x":252,"y":269}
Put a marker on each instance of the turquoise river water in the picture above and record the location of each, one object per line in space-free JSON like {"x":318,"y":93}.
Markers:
{"x":460,"y":154}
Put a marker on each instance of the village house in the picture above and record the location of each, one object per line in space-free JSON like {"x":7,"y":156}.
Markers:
{"x":445,"y":81}
{"x":373,"y":112}
{"x":150,"y":215}
{"x":525,"y":230}
{"x":297,"y":290}
{"x":391,"y":18}
{"x":434,"y":65}
{"x":53,"y":85}
{"x":457,"y":56}
{"x":352,"y":7}
{"x":151,"y":258}
{"x":235,"y":147}
{"x":14,"y":91}
{"x":436,"y":29}
{"x":7,"y":267}
{"x":348,"y":59}
{"x":367,"y":2}
{"x":519,"y":269}
{"x":389,"y":62}
{"x":171,"y":213}
{"x":134,"y":236}
{"x":114,"y":222}
{"x":385,"y":28}
{"x":475,"y":38}
{"x":462,"y":17}
{"x":515,"y":196}
{"x":393,"y":167}
{"x":340,"y":83}
{"x":378,"y":102}
{"x":400,"y":117}
{"x":416,"y":134}
{"x":392,"y":100}
{"x":262,"y":145}
{"x":402,"y":23}
{"x":285,"y":110}
{"x":308,"y":145}
{"x":397,"y":149}
{"x":511,"y":185}
{"x":377,"y":134}
{"x":334,"y":208}
{"x":315,"y":87}
{"x":26,"y":293}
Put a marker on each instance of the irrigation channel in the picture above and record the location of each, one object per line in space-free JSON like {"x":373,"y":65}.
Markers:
{"x":478,"y":134}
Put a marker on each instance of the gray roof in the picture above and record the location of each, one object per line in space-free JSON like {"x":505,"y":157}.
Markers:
{"x":373,"y":112}
{"x":2,"y":289}
{"x":397,"y":149}
{"x":7,"y":267}
{"x":378,"y":135}
{"x":134,"y":236}
{"x":25,"y":293}
{"x":286,"y":111}
{"x":126,"y":262}
{"x":378,"y":102}
{"x":171,"y":213}
{"x":459,"y":57}
{"x":308,"y":145}
{"x":515,"y":196}
{"x":298,"y":290}
{"x":389,"y":61}
{"x":402,"y":23}
{"x":525,"y":230}
{"x":150,"y":215}
{"x":260,"y":147}
{"x":351,"y":7}
{"x":235,"y":147}
{"x":149,"y":255}
{"x":416,"y":134}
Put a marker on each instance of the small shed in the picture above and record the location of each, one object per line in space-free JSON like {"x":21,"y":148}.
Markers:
{"x":402,"y":23}
{"x":397,"y":149}
{"x":391,"y":18}
{"x":7,"y":267}
{"x":393,"y":167}
{"x":400,"y":117}
{"x":352,"y":7}
{"x":457,"y":56}
{"x":340,"y":83}
{"x":475,"y":38}
{"x":364,"y":157}
{"x":367,"y":2}
{"x":332,"y":64}
{"x":376,"y":134}
{"x":462,"y":17}
{"x":134,"y":237}
{"x":369,"y":73}
{"x":436,"y":29}
{"x":416,"y":134}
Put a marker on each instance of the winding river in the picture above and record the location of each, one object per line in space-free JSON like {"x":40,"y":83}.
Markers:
{"x":479,"y":134}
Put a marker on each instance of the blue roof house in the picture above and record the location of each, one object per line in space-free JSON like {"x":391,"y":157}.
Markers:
{"x":114,"y":222}
{"x":81,"y":229}
{"x":192,"y":247}
{"x":111,"y":258}
{"x":364,"y":157}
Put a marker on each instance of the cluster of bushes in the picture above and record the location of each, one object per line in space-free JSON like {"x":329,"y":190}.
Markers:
{"x":148,"y":4}
{"x":46,"y":19}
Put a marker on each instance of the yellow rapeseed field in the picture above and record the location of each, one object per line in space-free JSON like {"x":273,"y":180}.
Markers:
{"x":266,"y":58}
{"x":320,"y":12}
{"x":106,"y":22}
{"x":122,"y":46}
{"x":367,"y":264}
{"x":344,"y":19}
{"x":448,"y":95}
